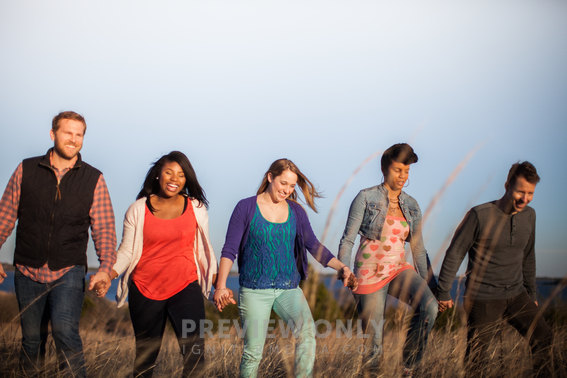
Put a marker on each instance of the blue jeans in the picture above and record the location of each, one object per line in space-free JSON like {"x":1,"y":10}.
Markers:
{"x":290,"y":305}
{"x":411,"y":289}
{"x":61,"y":302}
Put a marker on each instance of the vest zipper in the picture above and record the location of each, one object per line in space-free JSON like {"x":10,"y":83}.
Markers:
{"x":58,"y":194}
{"x":58,"y":190}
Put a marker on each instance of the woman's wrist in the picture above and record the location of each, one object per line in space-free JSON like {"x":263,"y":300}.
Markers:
{"x":113,"y":274}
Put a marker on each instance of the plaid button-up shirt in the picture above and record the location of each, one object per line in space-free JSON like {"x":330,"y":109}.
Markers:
{"x":102,"y":225}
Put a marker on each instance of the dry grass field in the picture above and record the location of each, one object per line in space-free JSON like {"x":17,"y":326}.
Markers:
{"x":109,"y":345}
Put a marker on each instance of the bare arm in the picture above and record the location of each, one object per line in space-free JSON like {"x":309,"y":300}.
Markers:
{"x":223,"y":295}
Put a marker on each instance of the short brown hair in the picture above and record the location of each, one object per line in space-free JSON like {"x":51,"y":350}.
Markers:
{"x":524,"y":169}
{"x":67,"y":115}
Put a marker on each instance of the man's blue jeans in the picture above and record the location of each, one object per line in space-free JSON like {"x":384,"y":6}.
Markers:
{"x":411,"y":289}
{"x":61,"y":302}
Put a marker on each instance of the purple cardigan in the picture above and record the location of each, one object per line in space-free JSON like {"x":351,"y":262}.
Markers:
{"x":239,"y":227}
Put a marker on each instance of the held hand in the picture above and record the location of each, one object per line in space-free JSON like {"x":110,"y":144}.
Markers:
{"x":229,"y":298}
{"x":100,"y":283}
{"x":99,"y":288}
{"x":2,"y":274}
{"x":444,"y":305}
{"x":352,"y":282}
{"x":223,"y":297}
{"x":348,"y":278}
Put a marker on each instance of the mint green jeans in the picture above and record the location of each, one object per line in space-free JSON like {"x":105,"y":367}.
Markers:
{"x":290,"y":305}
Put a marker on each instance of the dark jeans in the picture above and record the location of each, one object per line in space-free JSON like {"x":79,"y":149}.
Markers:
{"x":485,"y":323}
{"x":149,"y":318}
{"x":61,"y":302}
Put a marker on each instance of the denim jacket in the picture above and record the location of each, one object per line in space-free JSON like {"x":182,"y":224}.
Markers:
{"x":366,"y":217}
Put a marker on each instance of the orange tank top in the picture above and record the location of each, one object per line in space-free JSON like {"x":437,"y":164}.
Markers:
{"x":167,"y":264}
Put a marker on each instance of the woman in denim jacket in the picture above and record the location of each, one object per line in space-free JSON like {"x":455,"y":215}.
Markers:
{"x":386,"y":218}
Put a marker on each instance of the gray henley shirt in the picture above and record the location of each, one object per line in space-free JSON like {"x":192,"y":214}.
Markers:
{"x":501,"y":254}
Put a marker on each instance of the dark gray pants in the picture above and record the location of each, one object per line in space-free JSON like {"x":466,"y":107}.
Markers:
{"x":485,"y":320}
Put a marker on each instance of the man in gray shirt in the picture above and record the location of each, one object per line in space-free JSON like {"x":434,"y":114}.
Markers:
{"x":499,"y":238}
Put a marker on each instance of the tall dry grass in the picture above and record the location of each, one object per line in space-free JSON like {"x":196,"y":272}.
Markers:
{"x":109,"y":348}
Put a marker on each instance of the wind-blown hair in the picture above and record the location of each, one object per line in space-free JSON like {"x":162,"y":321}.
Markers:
{"x":525,"y":170}
{"x":307,"y":188}
{"x":400,"y":153}
{"x":192,"y":189}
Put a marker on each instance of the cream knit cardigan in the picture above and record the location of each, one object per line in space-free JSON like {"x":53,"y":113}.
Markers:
{"x":130,"y":249}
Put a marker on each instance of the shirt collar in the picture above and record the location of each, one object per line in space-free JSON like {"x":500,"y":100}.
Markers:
{"x":65,"y":168}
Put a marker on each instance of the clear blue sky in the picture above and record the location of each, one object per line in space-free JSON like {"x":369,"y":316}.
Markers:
{"x":236,"y":85}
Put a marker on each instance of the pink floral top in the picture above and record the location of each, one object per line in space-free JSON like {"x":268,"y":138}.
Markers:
{"x":380,"y":261}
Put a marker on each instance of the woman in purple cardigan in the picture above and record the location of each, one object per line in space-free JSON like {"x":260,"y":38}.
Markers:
{"x":270,"y":233}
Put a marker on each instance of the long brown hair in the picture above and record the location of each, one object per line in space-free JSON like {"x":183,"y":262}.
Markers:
{"x":307,"y":187}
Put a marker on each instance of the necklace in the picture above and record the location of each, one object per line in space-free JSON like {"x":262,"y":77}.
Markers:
{"x":394,"y":205}
{"x":268,"y":203}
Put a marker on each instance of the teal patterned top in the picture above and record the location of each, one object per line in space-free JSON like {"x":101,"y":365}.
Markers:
{"x":268,"y":260}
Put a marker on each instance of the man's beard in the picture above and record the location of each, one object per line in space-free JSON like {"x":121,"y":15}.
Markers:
{"x":64,"y":154}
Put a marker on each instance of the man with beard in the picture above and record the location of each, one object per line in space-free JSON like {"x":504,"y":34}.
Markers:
{"x":56,"y":198}
{"x":499,"y":237}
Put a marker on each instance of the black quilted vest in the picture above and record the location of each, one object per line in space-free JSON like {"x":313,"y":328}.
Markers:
{"x":53,"y":218}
